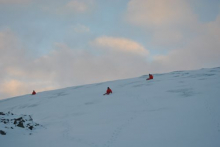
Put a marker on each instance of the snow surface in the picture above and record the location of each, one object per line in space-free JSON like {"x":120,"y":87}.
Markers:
{"x":177,"y":109}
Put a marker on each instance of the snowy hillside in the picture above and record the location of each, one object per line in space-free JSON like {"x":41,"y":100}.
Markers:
{"x":177,"y":109}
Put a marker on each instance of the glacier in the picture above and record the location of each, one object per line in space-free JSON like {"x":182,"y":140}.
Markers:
{"x":176,"y":109}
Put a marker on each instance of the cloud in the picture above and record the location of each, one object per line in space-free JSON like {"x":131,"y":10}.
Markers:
{"x":175,"y":28}
{"x":15,"y":1}
{"x":14,"y":87}
{"x":169,"y":21}
{"x":74,"y":67}
{"x":19,"y":73}
{"x":165,"y":37}
{"x":202,"y":51}
{"x":11,"y":51}
{"x":120,"y":44}
{"x":159,"y":13}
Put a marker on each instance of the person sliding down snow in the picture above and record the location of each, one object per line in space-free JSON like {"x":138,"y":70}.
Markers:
{"x":108,"y":91}
{"x":150,"y":77}
{"x":33,"y":93}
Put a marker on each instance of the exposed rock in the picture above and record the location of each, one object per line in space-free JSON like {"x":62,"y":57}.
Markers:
{"x":31,"y":127}
{"x":20,"y":124}
{"x":11,"y":121}
{"x":2,"y":132}
{"x":1,"y":113}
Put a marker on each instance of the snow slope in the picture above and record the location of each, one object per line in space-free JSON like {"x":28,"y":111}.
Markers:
{"x":177,"y":109}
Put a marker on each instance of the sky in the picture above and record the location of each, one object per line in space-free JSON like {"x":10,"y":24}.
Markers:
{"x":46,"y":45}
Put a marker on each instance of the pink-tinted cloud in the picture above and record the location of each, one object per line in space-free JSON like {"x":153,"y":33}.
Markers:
{"x":18,"y":74}
{"x":159,"y":13}
{"x":202,"y":51}
{"x":168,"y":20}
{"x":120,"y":44}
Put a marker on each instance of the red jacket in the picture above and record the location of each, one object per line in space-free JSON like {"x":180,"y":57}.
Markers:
{"x":108,"y":91}
{"x":33,"y":93}
{"x":150,"y":77}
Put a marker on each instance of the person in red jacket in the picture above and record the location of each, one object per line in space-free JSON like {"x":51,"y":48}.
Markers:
{"x":150,"y":77}
{"x":108,"y":91}
{"x":33,"y":93}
